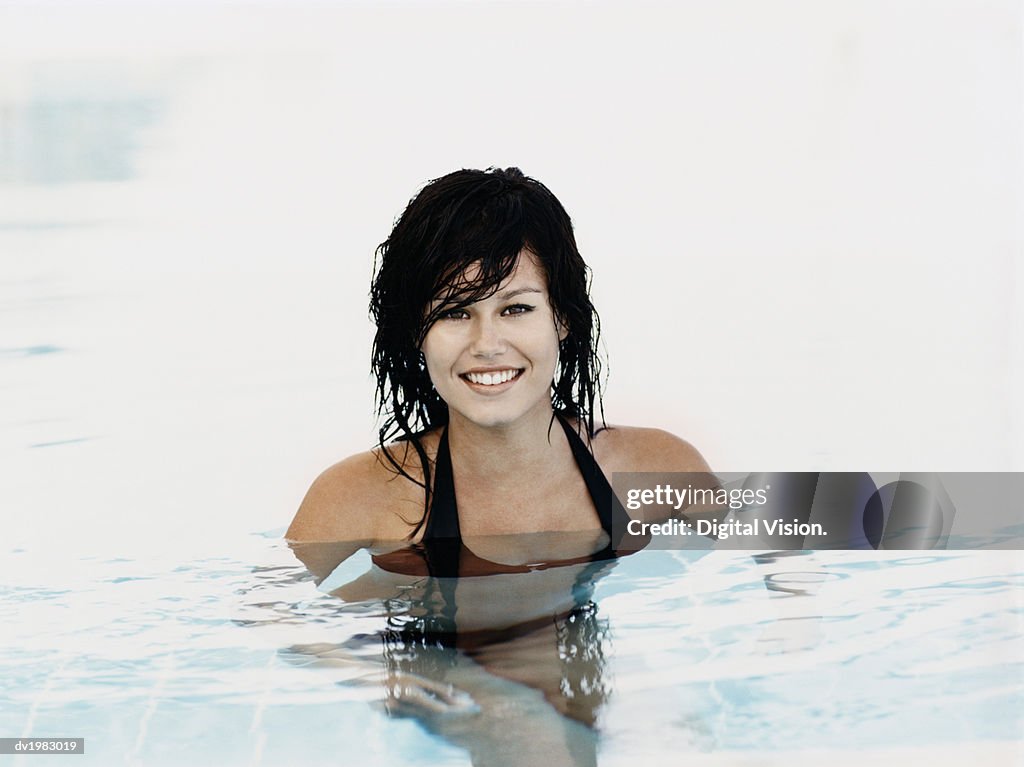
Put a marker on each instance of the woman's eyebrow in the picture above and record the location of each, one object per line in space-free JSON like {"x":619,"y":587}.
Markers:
{"x":504,"y":295}
{"x":507,"y":294}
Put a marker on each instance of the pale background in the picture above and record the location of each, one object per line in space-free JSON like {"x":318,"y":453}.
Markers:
{"x":803,"y":218}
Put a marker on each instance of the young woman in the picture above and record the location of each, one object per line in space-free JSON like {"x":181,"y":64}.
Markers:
{"x":487,"y":383}
{"x":489,"y":464}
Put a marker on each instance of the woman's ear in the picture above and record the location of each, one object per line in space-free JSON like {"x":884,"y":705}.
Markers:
{"x":563,"y":331}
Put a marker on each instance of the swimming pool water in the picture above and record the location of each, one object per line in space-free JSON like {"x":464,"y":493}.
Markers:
{"x":731,"y":655}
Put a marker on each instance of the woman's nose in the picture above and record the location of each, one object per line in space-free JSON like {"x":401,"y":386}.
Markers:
{"x":488,"y":340}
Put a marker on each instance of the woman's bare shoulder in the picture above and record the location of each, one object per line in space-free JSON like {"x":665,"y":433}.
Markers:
{"x":636,"y":448}
{"x":364,"y":498}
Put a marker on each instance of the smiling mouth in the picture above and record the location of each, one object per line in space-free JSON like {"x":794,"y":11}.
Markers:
{"x":493,"y":378}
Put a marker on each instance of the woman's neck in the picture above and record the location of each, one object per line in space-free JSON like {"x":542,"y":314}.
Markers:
{"x":531,"y":447}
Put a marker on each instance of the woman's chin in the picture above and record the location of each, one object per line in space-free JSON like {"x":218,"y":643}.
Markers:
{"x":494,"y":416}
{"x":490,"y":420}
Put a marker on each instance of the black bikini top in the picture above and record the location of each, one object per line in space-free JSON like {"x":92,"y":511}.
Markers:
{"x":443,"y":551}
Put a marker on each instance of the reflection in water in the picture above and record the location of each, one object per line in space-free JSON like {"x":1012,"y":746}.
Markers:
{"x":797,"y":626}
{"x":510,"y":666}
{"x":561,"y":657}
{"x":671,"y":653}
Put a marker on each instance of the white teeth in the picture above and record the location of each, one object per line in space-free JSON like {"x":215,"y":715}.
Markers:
{"x":491,"y":379}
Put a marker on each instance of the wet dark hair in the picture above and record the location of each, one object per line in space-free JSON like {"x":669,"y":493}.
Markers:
{"x":484,"y":218}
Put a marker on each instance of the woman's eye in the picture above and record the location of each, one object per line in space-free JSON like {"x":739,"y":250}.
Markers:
{"x":453,"y":314}
{"x":518,"y":309}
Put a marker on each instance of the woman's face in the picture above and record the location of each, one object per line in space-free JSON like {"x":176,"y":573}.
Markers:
{"x":493,"y":361}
